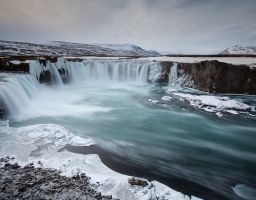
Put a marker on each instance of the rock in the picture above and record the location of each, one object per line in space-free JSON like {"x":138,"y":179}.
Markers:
{"x":107,"y":196}
{"x":15,"y":166}
{"x":216,"y":77}
{"x":137,"y":181}
{"x":98,"y":194}
{"x":35,"y":183}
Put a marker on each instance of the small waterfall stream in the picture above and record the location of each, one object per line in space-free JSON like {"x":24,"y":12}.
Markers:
{"x":173,"y":76}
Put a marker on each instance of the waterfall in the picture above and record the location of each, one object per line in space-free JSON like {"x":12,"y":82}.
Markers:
{"x":173,"y":76}
{"x":16,"y":90}
{"x":137,"y":71}
{"x":155,"y":71}
{"x":35,"y":68}
{"x":108,"y":71}
{"x":55,"y":75}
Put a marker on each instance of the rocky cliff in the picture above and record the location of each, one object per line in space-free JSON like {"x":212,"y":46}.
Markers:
{"x":214,"y":76}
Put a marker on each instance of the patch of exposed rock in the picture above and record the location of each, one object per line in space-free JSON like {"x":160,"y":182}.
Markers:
{"x":29,"y":182}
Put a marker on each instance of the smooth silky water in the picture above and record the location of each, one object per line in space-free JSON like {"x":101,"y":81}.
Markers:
{"x":187,"y":148}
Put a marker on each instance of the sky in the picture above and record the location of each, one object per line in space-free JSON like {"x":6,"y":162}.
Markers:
{"x":175,"y":26}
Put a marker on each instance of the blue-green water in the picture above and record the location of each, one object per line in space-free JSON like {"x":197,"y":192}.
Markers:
{"x":169,"y":139}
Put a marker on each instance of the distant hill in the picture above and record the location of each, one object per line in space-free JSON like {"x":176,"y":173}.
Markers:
{"x":59,"y":48}
{"x":239,"y":50}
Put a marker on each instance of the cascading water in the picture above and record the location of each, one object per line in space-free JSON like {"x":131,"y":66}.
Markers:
{"x":55,"y":75}
{"x":104,"y":70}
{"x":16,"y":90}
{"x":36,"y":68}
{"x":173,"y":76}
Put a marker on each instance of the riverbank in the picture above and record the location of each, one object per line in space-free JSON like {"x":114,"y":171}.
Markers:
{"x":45,"y":145}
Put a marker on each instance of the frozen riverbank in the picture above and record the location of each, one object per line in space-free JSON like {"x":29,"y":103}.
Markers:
{"x":45,"y":144}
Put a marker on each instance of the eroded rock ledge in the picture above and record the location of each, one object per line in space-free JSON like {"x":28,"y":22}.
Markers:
{"x":215,"y":76}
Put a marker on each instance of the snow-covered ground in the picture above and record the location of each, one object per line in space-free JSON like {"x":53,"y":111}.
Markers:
{"x":45,"y":142}
{"x":58,"y":48}
{"x":213,"y":103}
{"x":251,"y":61}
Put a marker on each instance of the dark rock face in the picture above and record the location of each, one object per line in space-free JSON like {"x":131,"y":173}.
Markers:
{"x":164,"y":76}
{"x":215,"y":76}
{"x":2,"y":110}
{"x":218,"y":77}
{"x":42,"y":183}
{"x":6,"y":65}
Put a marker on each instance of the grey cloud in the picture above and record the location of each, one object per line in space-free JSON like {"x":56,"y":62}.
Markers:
{"x":185,"y":26}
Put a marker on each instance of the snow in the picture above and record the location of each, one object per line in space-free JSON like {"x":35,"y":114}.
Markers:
{"x":71,"y":49}
{"x":250,"y":61}
{"x":127,"y":47}
{"x":79,"y":141}
{"x":17,"y":62}
{"x":166,"y":98}
{"x":212,"y":103}
{"x":219,"y":114}
{"x":46,"y":142}
{"x":240,"y":50}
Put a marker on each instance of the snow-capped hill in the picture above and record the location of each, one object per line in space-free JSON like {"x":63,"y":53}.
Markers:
{"x":127,"y":47}
{"x":239,"y":50}
{"x":59,"y":48}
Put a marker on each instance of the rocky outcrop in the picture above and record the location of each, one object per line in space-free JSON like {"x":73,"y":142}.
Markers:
{"x":21,"y":63}
{"x":214,"y":76}
{"x":137,"y":181}
{"x":219,"y":77}
{"x":31,"y":182}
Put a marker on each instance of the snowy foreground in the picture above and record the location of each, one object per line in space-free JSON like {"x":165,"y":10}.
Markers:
{"x":46,"y":142}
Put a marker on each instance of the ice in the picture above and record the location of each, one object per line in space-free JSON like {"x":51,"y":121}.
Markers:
{"x":212,"y":103}
{"x":44,"y":141}
{"x":80,"y":141}
{"x":219,"y":114}
{"x":166,"y":98}
{"x":244,"y":191}
{"x":233,"y":60}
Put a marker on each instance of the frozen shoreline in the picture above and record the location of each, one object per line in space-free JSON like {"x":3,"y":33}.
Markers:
{"x":46,"y":143}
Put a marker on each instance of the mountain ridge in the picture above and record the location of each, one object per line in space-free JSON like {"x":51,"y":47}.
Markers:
{"x":240,"y":50}
{"x":62,"y":48}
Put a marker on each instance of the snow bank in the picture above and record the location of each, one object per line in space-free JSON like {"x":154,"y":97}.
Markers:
{"x":46,"y":142}
{"x":166,"y":98}
{"x":233,"y":60}
{"x":216,"y":104}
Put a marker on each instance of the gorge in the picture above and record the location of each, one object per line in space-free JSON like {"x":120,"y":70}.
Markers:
{"x":163,"y":117}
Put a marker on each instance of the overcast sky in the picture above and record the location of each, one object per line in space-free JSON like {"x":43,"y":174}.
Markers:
{"x":178,"y":26}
